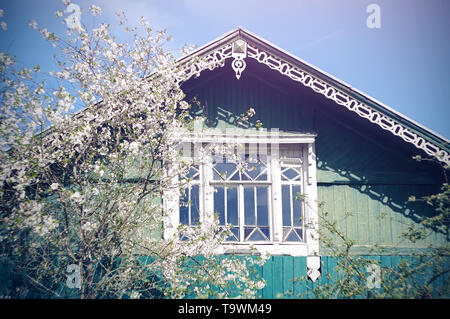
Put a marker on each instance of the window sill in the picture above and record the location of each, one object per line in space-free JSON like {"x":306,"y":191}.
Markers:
{"x":291,"y":249}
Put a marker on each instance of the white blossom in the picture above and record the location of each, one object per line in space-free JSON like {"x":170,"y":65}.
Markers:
{"x":33,"y":24}
{"x":45,"y":33}
{"x":5,"y":59}
{"x":88,"y":226}
{"x":76,"y":197}
{"x":95,"y":191}
{"x":184,"y":105}
{"x":95,"y":10}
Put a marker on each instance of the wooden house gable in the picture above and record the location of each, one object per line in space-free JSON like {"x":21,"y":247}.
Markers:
{"x":240,"y":70}
{"x":363,"y":149}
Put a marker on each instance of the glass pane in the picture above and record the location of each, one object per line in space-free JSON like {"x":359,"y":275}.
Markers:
{"x":257,"y":235}
{"x":232,"y":206}
{"x":245,"y":176}
{"x":291,"y":174}
{"x":223,"y":171}
{"x":297,"y":207}
{"x":299,"y":233}
{"x":286,"y":204}
{"x":266,"y":232}
{"x":293,"y":236}
{"x":254,"y":169}
{"x":248,"y":231}
{"x":193,"y":173}
{"x":184,"y":208}
{"x":286,"y":231}
{"x":262,"y":209}
{"x":235,"y":176}
{"x":234,"y":236}
{"x":249,"y":205}
{"x":219,"y":204}
{"x":195,"y":216}
{"x":262,"y":176}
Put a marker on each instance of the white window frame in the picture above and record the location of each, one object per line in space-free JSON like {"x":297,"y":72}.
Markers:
{"x":304,"y":145}
{"x":240,"y":185}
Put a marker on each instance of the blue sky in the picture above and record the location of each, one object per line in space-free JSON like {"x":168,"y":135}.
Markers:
{"x":404,"y":64}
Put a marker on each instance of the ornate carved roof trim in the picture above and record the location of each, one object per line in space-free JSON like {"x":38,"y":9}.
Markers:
{"x":240,"y":44}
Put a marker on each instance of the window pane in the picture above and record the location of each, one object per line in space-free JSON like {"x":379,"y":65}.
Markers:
{"x":291,"y":174}
{"x":286,"y":204}
{"x":297,"y":207}
{"x":195,"y":201}
{"x":219,"y":204}
{"x":266,"y":232}
{"x":184,"y":208}
{"x":299,"y":233}
{"x":234,"y":236}
{"x":235,"y":176}
{"x":223,"y":171}
{"x":248,"y":231}
{"x":291,"y":234}
{"x":262,"y":209}
{"x":232,"y":206}
{"x":257,"y":235}
{"x":262,"y":176}
{"x":193,"y":173}
{"x":253,"y":170}
{"x":249,"y":205}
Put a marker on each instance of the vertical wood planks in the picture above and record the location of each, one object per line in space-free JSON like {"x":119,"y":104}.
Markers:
{"x":288,"y":276}
{"x":299,"y":274}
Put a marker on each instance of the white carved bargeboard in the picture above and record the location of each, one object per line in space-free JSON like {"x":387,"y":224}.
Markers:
{"x":218,"y":57}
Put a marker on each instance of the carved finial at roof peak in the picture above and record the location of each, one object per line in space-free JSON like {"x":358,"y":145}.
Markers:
{"x":239,"y":53}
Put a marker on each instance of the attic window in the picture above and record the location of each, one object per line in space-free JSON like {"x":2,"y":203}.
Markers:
{"x":268,"y":199}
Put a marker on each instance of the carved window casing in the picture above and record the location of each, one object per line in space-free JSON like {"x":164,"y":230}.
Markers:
{"x":269,"y":203}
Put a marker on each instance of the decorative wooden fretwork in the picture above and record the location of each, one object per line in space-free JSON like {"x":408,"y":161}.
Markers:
{"x":239,"y":53}
{"x":239,"y":49}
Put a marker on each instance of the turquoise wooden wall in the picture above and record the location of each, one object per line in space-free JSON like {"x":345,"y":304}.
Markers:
{"x":284,"y":276}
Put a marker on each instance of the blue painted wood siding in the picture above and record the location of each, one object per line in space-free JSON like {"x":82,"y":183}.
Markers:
{"x":286,"y":275}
